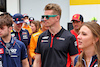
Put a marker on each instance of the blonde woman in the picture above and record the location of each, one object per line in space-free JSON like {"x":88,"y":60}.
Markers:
{"x":89,"y":41}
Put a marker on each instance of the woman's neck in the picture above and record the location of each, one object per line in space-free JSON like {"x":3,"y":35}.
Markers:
{"x":88,"y":56}
{"x":89,"y":53}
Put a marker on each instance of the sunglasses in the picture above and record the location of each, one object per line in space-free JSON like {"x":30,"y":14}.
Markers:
{"x":5,"y":13}
{"x":47,"y":16}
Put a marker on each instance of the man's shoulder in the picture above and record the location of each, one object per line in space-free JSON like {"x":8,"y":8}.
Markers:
{"x":19,"y":42}
{"x":67,"y":33}
{"x":45,"y":33}
{"x":72,"y":30}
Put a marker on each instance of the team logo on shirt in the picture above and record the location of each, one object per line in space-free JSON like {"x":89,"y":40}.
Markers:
{"x":46,"y":37}
{"x":75,"y":43}
{"x":13,"y":35}
{"x":1,"y":51}
{"x":24,"y":33}
{"x":60,"y":38}
{"x":25,"y":37}
{"x":13,"y":51}
{"x":96,"y":65}
{"x":44,"y":41}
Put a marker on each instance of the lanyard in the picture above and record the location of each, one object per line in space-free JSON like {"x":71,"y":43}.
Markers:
{"x":8,"y":50}
{"x":93,"y":63}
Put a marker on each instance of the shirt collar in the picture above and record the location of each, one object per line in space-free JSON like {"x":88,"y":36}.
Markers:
{"x":58,"y":34}
{"x":11,"y":41}
{"x":92,"y":59}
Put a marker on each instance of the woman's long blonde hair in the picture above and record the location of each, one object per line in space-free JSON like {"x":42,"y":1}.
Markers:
{"x":95,"y":29}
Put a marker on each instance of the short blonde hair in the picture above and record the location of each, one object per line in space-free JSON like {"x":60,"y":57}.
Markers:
{"x":55,"y":7}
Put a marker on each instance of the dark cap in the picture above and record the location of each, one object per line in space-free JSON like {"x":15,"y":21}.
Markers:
{"x":31,"y":19}
{"x":77,"y":17}
{"x":18,"y":18}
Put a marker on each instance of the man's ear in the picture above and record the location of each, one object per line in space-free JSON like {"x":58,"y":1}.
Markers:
{"x":10,"y":28}
{"x":58,"y":17}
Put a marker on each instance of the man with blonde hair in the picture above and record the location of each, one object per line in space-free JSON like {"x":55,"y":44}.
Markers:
{"x":54,"y":44}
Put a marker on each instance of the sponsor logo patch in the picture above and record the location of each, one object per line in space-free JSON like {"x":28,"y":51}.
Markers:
{"x":46,"y":37}
{"x":75,"y":43}
{"x":59,"y":38}
{"x":1,"y":51}
{"x":23,"y":33}
{"x":44,"y":41}
{"x":96,"y":65}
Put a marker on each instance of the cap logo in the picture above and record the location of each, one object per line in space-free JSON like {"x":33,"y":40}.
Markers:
{"x":18,"y":22}
{"x":16,"y":19}
{"x":75,"y":16}
{"x":79,"y":17}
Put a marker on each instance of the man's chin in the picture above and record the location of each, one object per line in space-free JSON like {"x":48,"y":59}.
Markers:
{"x":76,"y":28}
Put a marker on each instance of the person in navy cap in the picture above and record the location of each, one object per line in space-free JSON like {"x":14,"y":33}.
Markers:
{"x":17,"y":31}
{"x":13,"y":52}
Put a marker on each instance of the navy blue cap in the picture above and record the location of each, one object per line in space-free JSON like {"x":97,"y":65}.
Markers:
{"x":18,"y":18}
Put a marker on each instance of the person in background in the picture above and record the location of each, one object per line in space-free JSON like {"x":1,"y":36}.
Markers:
{"x":89,"y":41}
{"x":77,"y":21}
{"x":31,"y":19}
{"x":93,"y":19}
{"x":35,"y":25}
{"x":54,"y":44}
{"x":39,"y":25}
{"x":26,"y":25}
{"x":13,"y":52}
{"x":34,"y":38}
{"x":18,"y":32}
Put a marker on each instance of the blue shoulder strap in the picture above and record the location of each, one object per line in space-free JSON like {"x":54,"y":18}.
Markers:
{"x":76,"y":59}
{"x":0,"y":40}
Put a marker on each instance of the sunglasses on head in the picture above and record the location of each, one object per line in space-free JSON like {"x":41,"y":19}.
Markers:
{"x":4,"y":13}
{"x":47,"y":16}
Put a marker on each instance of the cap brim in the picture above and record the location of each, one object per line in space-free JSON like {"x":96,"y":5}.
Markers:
{"x":75,"y":20}
{"x":18,"y":22}
{"x":31,"y":20}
